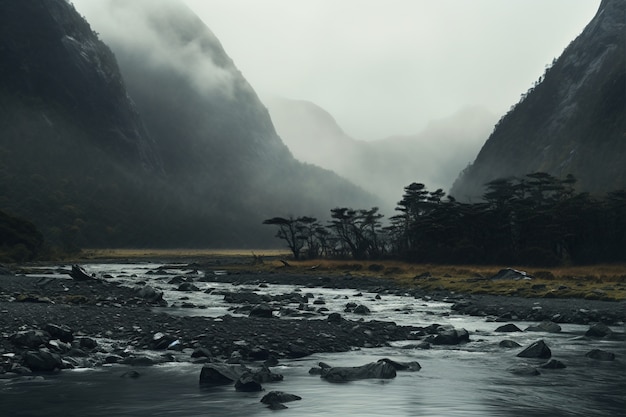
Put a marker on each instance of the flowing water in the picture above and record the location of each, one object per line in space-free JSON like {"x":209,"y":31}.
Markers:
{"x":466,"y":380}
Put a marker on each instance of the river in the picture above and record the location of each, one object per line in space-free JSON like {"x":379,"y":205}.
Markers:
{"x":465,"y":380}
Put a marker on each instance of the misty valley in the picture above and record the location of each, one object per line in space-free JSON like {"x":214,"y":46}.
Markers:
{"x":473,"y":268}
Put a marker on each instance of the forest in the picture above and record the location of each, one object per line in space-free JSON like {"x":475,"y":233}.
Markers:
{"x":534,"y":220}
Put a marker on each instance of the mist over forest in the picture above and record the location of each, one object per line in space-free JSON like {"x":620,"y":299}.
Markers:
{"x":132,"y":127}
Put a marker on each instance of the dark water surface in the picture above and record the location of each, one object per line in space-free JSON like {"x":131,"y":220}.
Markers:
{"x":467,"y":380}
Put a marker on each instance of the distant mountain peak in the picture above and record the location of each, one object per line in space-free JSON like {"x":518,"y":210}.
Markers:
{"x":572,"y":122}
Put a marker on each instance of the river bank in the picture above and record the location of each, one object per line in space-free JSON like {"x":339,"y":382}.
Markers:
{"x":126,"y":317}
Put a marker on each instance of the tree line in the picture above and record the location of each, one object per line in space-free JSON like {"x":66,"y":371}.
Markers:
{"x":536,"y":220}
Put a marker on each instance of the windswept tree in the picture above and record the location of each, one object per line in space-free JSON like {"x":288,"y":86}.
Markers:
{"x":357,"y":230}
{"x":295,"y":232}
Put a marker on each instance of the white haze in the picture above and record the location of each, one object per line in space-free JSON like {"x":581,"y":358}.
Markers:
{"x":131,"y":24}
{"x":388,"y":67}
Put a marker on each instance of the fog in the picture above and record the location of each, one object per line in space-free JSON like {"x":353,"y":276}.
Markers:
{"x":131,"y":25}
{"x":384,"y":68}
{"x":398,"y":76}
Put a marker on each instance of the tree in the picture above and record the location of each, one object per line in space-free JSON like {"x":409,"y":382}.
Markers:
{"x":293,"y":231}
{"x":357,"y":230}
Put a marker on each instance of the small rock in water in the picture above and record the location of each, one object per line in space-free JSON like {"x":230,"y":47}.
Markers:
{"x":508,"y":328}
{"x":600,"y":355}
{"x":539,"y":349}
{"x":553,"y":364}
{"x":523,"y":369}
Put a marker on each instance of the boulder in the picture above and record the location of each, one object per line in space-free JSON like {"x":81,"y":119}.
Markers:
{"x":30,"y":338}
{"x":201,"y":352}
{"x":545,"y":326}
{"x":264,"y":375}
{"x":247,"y":383}
{"x":448,"y":336}
{"x":361,"y":309}
{"x":213,"y":374}
{"x":162,"y":341}
{"x":279,"y":397}
{"x":334,"y":318}
{"x":508,"y":344}
{"x":261,"y":310}
{"x":508,"y":328}
{"x":538,"y":349}
{"x":553,"y":364}
{"x":403,"y":366}
{"x":43,"y":361}
{"x":62,"y":333}
{"x":87,"y":343}
{"x":150,"y":295}
{"x":379,"y":370}
{"x":599,"y":330}
{"x":188,"y":287}
{"x":79,"y":274}
{"x":600,"y":355}
{"x":523,"y":369}
{"x":510,"y":274}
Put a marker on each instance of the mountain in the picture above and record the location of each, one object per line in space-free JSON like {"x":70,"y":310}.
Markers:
{"x":573,"y":121}
{"x":152,"y":139}
{"x":383,"y":167}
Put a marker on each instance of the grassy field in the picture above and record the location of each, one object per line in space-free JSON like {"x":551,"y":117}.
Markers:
{"x":601,"y":282}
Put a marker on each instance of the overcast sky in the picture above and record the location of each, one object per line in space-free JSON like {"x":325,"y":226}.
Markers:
{"x":385,"y":67}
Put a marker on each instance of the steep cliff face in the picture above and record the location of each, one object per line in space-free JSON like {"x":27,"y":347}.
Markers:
{"x":572,"y":122}
{"x":50,"y":54}
{"x":192,"y":160}
{"x":216,"y":137}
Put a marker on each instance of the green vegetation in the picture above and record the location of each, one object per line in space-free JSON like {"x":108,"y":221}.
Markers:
{"x":536,"y":220}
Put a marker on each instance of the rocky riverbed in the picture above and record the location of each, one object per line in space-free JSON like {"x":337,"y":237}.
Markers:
{"x":52,"y":321}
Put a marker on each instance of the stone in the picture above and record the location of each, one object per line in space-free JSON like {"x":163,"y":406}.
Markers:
{"x":161,"y":341}
{"x":553,"y":364}
{"x":523,"y":369}
{"x":545,"y":326}
{"x":188,"y":287}
{"x":599,"y":330}
{"x":334,"y":318}
{"x":62,"y":333}
{"x":403,"y":366}
{"x":361,"y":309}
{"x":30,"y":338}
{"x":273,"y":397}
{"x":214,"y":374}
{"x":149,"y":294}
{"x":509,"y":344}
{"x":538,"y":349}
{"x":87,"y":343}
{"x":261,"y":310}
{"x":510,"y":274}
{"x":600,"y":355}
{"x":508,"y":328}
{"x":449,"y":336}
{"x":247,"y":383}
{"x":378,"y":370}
{"x":43,"y":361}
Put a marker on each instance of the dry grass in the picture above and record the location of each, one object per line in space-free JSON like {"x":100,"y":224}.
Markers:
{"x":603,"y":282}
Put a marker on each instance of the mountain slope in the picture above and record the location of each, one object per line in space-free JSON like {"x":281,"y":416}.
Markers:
{"x":572,"y":122}
{"x":216,"y":137}
{"x":191,"y":160}
{"x":383,"y":167}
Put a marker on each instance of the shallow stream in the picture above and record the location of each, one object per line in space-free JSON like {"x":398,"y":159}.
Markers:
{"x":465,"y":380}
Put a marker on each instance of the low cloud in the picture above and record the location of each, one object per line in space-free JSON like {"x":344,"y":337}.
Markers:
{"x":146,"y":29}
